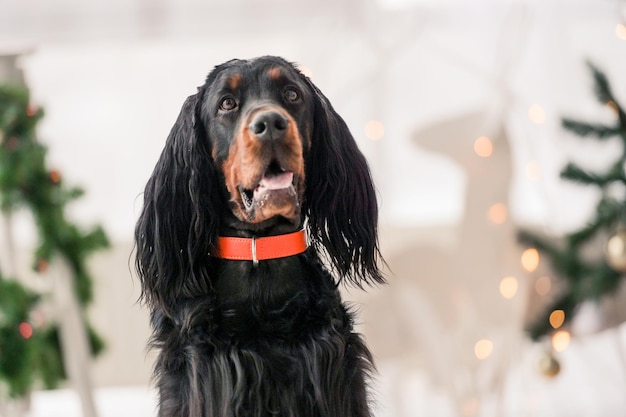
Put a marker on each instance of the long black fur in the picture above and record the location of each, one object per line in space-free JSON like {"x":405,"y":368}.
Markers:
{"x":275,"y":340}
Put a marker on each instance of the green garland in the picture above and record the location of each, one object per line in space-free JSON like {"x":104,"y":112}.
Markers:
{"x":586,"y":279}
{"x":26,"y":353}
{"x":31,"y":351}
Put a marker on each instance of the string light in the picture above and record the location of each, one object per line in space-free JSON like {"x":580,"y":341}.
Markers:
{"x":530,"y":259}
{"x":470,"y":408}
{"x":557,"y":318}
{"x":616,"y":244}
{"x":306,"y":71}
{"x":508,"y":287}
{"x":533,"y":170}
{"x":374,"y":130}
{"x":483,"y":348}
{"x":536,"y":114}
{"x":620,"y":31}
{"x":560,"y":340}
{"x":543,"y":285}
{"x":497,"y":213}
{"x":483,"y":147}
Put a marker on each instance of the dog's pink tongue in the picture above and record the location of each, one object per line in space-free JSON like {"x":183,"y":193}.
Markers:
{"x":277,"y":182}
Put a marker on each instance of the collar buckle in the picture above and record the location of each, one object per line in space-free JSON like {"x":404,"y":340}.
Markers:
{"x":255,"y":260}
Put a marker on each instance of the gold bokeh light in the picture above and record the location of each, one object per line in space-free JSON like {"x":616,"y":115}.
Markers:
{"x":536,"y":114}
{"x":560,"y":340}
{"x":483,"y":147}
{"x":374,"y":130}
{"x":543,"y":285}
{"x":533,"y":170}
{"x":483,"y":348}
{"x":498,"y":213}
{"x":508,"y":287}
{"x":530,"y":259}
{"x":557,"y":318}
{"x":306,"y":71}
{"x":620,"y":31}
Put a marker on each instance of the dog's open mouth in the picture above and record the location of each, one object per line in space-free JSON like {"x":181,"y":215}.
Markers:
{"x":275,"y":193}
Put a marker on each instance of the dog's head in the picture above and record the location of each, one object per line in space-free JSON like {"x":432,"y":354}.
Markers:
{"x":258,"y":116}
{"x":259,"y":147}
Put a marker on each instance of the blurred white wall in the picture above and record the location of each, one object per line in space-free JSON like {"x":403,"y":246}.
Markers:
{"x":111,"y":93}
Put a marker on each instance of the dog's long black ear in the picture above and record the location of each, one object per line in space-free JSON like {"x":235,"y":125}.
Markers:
{"x":340,"y":200}
{"x":179,"y":222}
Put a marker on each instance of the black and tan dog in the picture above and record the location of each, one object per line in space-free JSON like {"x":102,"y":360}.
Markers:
{"x":247,"y":320}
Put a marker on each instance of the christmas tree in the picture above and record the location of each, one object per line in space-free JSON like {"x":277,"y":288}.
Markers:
{"x":30,"y":350}
{"x":589,"y":277}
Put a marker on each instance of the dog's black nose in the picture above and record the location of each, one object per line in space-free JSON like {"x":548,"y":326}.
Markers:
{"x":269,"y":125}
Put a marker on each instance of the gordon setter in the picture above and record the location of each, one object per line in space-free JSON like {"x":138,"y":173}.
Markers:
{"x":247,"y":319}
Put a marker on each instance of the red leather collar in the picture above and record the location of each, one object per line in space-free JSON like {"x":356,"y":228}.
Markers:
{"x":260,"y":248}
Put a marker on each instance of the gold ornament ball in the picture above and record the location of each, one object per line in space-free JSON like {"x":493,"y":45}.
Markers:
{"x":548,"y":365}
{"x":616,"y":250}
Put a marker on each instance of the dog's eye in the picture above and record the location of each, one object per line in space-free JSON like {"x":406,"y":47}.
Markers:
{"x":228,"y":103}
{"x":291,"y":94}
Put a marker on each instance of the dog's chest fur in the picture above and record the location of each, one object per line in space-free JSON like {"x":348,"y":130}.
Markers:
{"x":278,"y":300}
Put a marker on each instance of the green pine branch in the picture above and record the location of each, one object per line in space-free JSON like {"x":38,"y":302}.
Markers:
{"x":584,"y":129}
{"x":601,"y":86}
{"x":607,"y":211}
{"x":601,"y":279}
{"x":574,"y":173}
{"x":560,"y":258}
{"x":26,"y":182}
{"x":22,"y":358}
{"x":541,"y":326}
{"x":585,"y":279}
{"x":604,"y":95}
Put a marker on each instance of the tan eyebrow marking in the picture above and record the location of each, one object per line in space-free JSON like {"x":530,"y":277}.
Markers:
{"x":274,"y":73}
{"x":234,"y":81}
